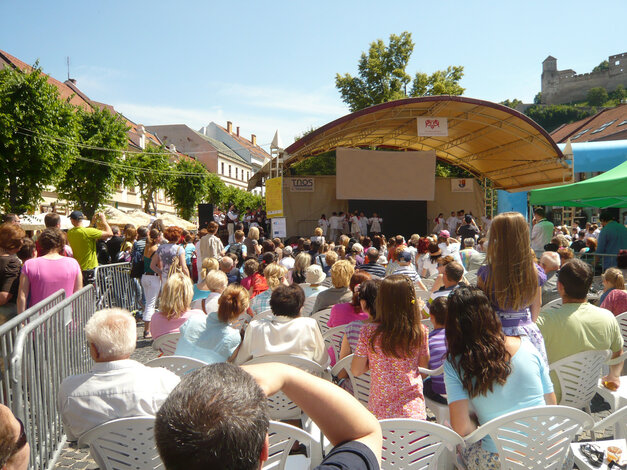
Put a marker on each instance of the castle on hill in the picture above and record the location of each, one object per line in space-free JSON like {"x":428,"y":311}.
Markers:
{"x":566,"y":86}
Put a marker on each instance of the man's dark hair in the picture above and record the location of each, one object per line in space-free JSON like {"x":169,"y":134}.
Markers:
{"x":607,"y":216}
{"x":576,"y":277}
{"x":217,"y":417}
{"x":439,"y":309}
{"x":287,"y":300}
{"x":115,"y":230}
{"x":372,"y":254}
{"x":539,"y":211}
{"x":142,"y":231}
{"x":454,"y":271}
{"x":10,"y":218}
{"x":52,"y":219}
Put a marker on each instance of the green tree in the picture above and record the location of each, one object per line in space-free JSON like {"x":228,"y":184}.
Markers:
{"x":597,"y":96}
{"x":511,"y":104}
{"x":37,"y":136}
{"x":602,"y":67}
{"x":551,"y":117}
{"x":618,"y":95}
{"x":382,"y":76}
{"x":323,"y":164}
{"x":88,"y":184}
{"x":538,"y":98}
{"x":151,"y":171}
{"x":243,"y":200}
{"x":192,"y":187}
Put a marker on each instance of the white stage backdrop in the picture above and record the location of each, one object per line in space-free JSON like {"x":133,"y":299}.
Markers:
{"x":374,"y":174}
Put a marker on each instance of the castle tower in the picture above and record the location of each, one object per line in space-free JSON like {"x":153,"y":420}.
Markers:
{"x":550,"y":78}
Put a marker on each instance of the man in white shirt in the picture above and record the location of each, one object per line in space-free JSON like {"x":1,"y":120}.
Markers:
{"x":210,"y":246}
{"x":335,"y":226}
{"x":542,"y":230}
{"x":231,"y":219}
{"x":452,"y":222}
{"x":116,"y":387}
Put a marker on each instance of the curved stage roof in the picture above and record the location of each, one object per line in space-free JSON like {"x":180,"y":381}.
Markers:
{"x":488,"y":139}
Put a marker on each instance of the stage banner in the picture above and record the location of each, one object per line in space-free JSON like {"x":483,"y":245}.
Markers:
{"x":385,"y":175}
{"x":462,"y":185}
{"x":432,"y":126}
{"x":301,"y":184}
{"x":274,"y":197}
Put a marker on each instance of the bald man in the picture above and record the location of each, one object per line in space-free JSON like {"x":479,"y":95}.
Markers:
{"x":14,"y":448}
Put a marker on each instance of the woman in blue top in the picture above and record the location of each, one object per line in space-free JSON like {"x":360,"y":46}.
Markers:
{"x":495,"y":373}
{"x":211,"y":338}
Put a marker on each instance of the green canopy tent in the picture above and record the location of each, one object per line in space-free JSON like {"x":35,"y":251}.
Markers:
{"x":606,"y":190}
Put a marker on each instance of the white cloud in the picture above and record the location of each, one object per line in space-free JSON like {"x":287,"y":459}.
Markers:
{"x":95,"y":79}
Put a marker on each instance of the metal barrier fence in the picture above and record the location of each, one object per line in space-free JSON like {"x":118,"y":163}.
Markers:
{"x":8,"y":333}
{"x":116,"y":288}
{"x":47,"y":349}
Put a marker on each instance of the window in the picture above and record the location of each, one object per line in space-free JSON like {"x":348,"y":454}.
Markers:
{"x":603,"y":127}
{"x":622,"y":123}
{"x":229,"y":171}
{"x":580,"y":134}
{"x":222,"y":171}
{"x":236,"y":170}
{"x":248,"y":175}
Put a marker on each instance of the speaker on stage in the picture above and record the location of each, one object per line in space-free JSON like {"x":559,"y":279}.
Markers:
{"x":205,"y":215}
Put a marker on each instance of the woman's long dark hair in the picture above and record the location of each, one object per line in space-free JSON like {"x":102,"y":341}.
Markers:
{"x":476,"y":343}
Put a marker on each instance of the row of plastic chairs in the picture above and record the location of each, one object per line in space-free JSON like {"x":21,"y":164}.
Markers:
{"x":538,"y":437}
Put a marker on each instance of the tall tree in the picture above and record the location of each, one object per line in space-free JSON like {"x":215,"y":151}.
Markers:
{"x":382,"y":76}
{"x":194,"y":185}
{"x":37,"y":136}
{"x":151,"y":172}
{"x":88,"y":184}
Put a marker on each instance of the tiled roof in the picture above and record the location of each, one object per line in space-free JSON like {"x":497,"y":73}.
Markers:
{"x":602,"y":126}
{"x":66,"y":90}
{"x":255,"y":150}
{"x":223,"y":149}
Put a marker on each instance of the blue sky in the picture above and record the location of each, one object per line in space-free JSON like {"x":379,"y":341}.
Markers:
{"x":272,"y":65}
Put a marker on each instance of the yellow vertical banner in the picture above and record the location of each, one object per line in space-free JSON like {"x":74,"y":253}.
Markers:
{"x":274,"y":197}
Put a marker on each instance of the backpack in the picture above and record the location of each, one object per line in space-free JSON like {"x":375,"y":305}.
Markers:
{"x":236,"y":249}
{"x":137,"y":262}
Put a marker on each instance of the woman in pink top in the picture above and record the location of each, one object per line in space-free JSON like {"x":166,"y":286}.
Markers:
{"x":341,"y":314}
{"x":174,"y":305}
{"x":393,"y":347}
{"x":43,"y":276}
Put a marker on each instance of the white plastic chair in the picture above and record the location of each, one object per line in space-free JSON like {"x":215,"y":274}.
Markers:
{"x":412,"y":443}
{"x":281,"y":407}
{"x":333,"y":338}
{"x":439,"y":410}
{"x":126,"y":443}
{"x":180,"y":365}
{"x":322,"y":317}
{"x":426,"y":322}
{"x":282,"y":437}
{"x":578,"y":376}
{"x":166,"y":344}
{"x":537,"y":437}
{"x":360,"y":385}
{"x":622,"y":322}
{"x":471,"y":278}
{"x":552,"y":305}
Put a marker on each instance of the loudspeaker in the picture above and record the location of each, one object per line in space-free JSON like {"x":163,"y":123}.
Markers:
{"x":205,"y":215}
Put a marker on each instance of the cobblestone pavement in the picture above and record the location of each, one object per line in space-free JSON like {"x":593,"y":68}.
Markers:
{"x":74,"y":458}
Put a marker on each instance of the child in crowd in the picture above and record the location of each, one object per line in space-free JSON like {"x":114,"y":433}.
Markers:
{"x":434,"y":386}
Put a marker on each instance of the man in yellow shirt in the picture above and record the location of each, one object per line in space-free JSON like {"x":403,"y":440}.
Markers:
{"x":83,"y":240}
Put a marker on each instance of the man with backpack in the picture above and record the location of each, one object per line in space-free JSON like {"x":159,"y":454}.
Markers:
{"x":238,"y":248}
{"x":137,"y":264}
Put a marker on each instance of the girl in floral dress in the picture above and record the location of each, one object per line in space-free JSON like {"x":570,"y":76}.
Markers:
{"x":393,"y":347}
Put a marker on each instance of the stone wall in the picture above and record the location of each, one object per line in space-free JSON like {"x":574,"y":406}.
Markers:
{"x":565,"y":86}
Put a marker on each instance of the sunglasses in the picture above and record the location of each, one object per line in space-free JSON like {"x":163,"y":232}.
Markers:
{"x":21,"y":440}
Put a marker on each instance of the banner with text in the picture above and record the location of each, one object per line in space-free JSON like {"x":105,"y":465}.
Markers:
{"x":462,"y":185}
{"x":432,"y":126}
{"x":301,"y":184}
{"x":274,"y":197}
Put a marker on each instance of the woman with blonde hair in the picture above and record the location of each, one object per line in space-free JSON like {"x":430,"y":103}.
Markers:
{"x":301,"y":263}
{"x":393,"y":347}
{"x":174,"y":305}
{"x":318,"y":236}
{"x":511,"y":279}
{"x":251,"y":242}
{"x":614,"y":297}
{"x":275,"y":276}
{"x":207,"y":300}
{"x":341,"y":273}
{"x":201,"y":289}
{"x":211,"y":338}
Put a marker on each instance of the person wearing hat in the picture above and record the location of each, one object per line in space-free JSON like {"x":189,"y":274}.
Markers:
{"x":406,"y":269}
{"x":357,"y":252}
{"x":83,"y":240}
{"x":314,"y":276}
{"x":449,"y":246}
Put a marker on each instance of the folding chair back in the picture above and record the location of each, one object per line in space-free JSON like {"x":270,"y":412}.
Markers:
{"x":126,"y":443}
{"x":322,"y":317}
{"x":333,"y":338}
{"x":180,"y":365}
{"x":412,"y":443}
{"x":360,"y":385}
{"x":282,"y":437}
{"x":166,"y":344}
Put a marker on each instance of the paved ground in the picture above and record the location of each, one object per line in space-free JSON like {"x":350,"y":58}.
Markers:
{"x":74,"y":458}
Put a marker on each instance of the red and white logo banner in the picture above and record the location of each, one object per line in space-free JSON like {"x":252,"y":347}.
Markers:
{"x":432,"y":126}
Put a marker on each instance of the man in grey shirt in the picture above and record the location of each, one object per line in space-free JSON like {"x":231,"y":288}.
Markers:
{"x":550,"y":262}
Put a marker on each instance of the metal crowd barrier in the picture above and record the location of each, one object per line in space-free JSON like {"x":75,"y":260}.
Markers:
{"x":115,"y":288}
{"x":47,"y":349}
{"x":8,"y":334}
